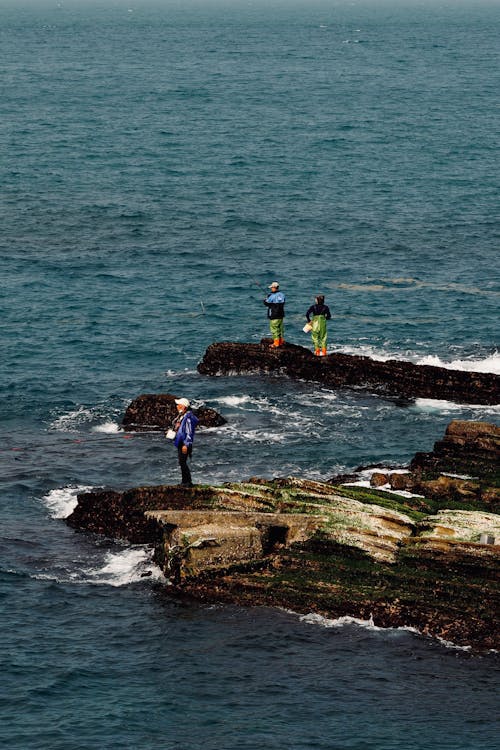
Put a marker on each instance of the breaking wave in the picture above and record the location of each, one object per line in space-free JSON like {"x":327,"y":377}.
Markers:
{"x":61,"y":502}
{"x":489,"y":364}
{"x":339,"y":622}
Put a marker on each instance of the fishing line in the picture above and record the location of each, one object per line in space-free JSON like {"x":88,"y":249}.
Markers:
{"x":75,"y":441}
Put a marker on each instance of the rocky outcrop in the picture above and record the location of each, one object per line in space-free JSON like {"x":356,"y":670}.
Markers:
{"x":463,"y":468}
{"x":391,"y":379}
{"x":156,"y":411}
{"x":471,"y":448}
{"x":313,"y":547}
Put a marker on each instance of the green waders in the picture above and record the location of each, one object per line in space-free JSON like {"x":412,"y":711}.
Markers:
{"x":277,"y":329}
{"x":319,"y":333}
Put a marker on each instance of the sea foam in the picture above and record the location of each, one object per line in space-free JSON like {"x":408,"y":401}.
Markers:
{"x":124,"y":567}
{"x":489,"y":364}
{"x":61,"y":502}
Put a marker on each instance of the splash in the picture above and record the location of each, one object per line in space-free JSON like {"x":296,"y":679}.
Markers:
{"x":109,"y":428}
{"x":489,"y":364}
{"x":123,"y":568}
{"x":62,"y":502}
{"x":448,"y":407}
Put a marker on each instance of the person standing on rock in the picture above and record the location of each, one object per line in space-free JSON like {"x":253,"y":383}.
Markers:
{"x":184,"y":427}
{"x":275,"y":303}
{"x":317,"y":315}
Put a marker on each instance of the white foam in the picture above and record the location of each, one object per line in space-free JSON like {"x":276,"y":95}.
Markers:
{"x":132,"y":565}
{"x":62,"y":502}
{"x":314,"y":619}
{"x":71,"y":420}
{"x":234,"y":400}
{"x":109,"y":428}
{"x":489,"y":364}
{"x":445,"y":407}
{"x":259,"y":436}
{"x":122,"y":568}
{"x":366,"y":474}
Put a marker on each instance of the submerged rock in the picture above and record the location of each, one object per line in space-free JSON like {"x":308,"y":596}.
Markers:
{"x":392,"y":379}
{"x":156,"y":411}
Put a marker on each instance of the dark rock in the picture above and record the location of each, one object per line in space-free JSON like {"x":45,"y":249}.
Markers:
{"x":378,"y":479}
{"x":400,"y":481}
{"x":156,"y":411}
{"x":468,"y":448}
{"x":392,"y":379}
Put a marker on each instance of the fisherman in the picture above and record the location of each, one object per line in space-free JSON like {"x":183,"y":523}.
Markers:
{"x":320,"y":314}
{"x":184,"y":426}
{"x":275,"y":303}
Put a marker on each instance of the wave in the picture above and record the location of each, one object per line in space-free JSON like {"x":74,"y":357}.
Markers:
{"x":408,"y":283}
{"x":234,"y":400}
{"x":123,"y":568}
{"x":61,"y":502}
{"x":339,"y":622}
{"x":489,"y":364}
{"x":73,"y":419}
{"x":82,"y":415}
{"x":109,"y":428}
{"x":132,"y":565}
{"x":448,"y":407}
{"x":314,"y":619}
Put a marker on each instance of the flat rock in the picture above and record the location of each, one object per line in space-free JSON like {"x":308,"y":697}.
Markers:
{"x":391,"y":379}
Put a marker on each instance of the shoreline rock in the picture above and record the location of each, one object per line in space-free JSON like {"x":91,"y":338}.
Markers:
{"x":393,"y":379}
{"x":463,"y":467}
{"x":429,"y":563}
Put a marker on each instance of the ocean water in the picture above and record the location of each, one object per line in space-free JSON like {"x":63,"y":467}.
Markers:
{"x":161,"y":165}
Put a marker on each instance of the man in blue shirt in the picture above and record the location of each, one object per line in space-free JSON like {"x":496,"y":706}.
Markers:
{"x":184,"y":427}
{"x":275,"y":303}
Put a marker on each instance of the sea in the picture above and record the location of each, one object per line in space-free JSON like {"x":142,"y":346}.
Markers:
{"x":162,"y":164}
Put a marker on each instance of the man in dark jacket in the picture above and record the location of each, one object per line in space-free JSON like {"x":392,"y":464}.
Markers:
{"x":320,"y":313}
{"x":184,"y":427}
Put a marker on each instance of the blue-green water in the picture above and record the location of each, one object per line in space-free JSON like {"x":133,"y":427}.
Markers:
{"x":160,"y":163}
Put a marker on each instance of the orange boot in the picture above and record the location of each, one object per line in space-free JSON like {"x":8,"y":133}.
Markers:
{"x":316,"y":352}
{"x":323,"y":352}
{"x":275,"y":344}
{"x":282,"y":341}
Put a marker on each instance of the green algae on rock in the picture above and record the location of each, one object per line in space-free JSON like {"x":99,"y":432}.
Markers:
{"x":308,"y":546}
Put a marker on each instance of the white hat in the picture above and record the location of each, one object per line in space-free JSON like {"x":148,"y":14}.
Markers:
{"x":183,"y":402}
{"x":275,"y":283}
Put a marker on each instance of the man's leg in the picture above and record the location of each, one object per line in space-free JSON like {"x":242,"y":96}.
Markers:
{"x":274,"y":325}
{"x":183,"y":463}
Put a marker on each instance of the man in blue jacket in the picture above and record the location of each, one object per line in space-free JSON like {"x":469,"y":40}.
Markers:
{"x":184,"y":427}
{"x":275,"y":303}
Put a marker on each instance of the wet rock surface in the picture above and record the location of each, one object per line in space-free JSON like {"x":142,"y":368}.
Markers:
{"x":392,"y":379}
{"x":156,"y":411}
